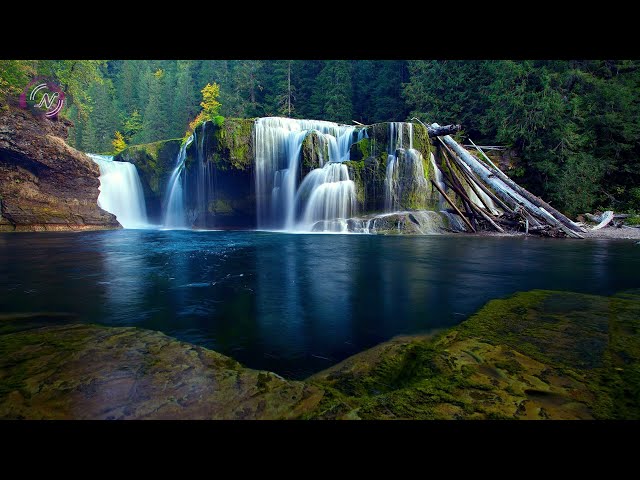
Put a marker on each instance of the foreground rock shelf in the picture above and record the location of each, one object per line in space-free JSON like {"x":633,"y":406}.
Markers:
{"x":535,"y":355}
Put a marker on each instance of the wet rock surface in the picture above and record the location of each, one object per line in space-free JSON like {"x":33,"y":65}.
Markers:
{"x":535,"y":355}
{"x":91,"y":372}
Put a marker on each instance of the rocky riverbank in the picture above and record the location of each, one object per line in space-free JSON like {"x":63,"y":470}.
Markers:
{"x":534,"y":355}
{"x":44,"y":183}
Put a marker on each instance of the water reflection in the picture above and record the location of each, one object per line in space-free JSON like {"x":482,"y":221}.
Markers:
{"x":293,"y":304}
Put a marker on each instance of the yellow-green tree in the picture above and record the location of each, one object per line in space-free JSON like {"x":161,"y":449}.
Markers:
{"x":118,"y":143}
{"x":210,"y":106}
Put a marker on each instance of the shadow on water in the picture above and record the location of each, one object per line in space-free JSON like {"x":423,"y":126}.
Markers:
{"x":293,"y":304}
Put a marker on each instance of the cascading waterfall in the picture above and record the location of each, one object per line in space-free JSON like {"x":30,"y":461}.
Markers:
{"x":190,"y":192}
{"x":278,"y":144}
{"x":442,"y":203}
{"x":175,"y":215}
{"x":330,"y":197}
{"x":396,"y":141}
{"x":121,"y":191}
{"x":426,"y":222}
{"x":204,"y":175}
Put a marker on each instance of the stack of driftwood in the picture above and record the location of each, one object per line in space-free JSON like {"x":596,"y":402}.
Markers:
{"x":519,"y":209}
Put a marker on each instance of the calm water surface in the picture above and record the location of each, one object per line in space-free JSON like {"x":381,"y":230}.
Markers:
{"x":293,"y":304}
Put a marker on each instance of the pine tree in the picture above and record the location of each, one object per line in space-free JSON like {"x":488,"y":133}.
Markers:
{"x":333,"y":93}
{"x":155,"y":122}
{"x":127,"y":86}
{"x":184,"y":100}
{"x":103,"y":120}
{"x":132,"y":126}
{"x":248,"y":87}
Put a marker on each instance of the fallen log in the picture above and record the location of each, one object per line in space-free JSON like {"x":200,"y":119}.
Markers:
{"x":593,"y":218}
{"x":444,"y":130}
{"x":436,"y":130}
{"x":446,"y":197}
{"x":475,"y":207}
{"x":508,"y":194}
{"x":607,"y":217}
{"x":529,"y":196}
{"x":517,"y":209}
{"x":474,"y":183}
{"x":459,"y":189}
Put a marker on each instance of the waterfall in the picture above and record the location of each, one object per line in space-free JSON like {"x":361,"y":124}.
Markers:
{"x":390,"y":184}
{"x":121,"y":191}
{"x":396,"y":143}
{"x":442,"y":203}
{"x":175,"y":215}
{"x":204,"y":175}
{"x":425,"y":222}
{"x":330,"y":197}
{"x":278,"y":144}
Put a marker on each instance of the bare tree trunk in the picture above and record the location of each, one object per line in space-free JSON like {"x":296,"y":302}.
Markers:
{"x":528,"y":195}
{"x":450,"y":202}
{"x":444,"y":130}
{"x":508,"y":194}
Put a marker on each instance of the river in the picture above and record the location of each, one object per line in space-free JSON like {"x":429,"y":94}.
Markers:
{"x":292,"y":303}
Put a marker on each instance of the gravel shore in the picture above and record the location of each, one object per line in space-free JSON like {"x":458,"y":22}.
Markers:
{"x":614,"y":232}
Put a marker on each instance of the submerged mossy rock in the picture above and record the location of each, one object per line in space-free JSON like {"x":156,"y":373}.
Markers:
{"x":155,"y":163}
{"x":535,"y":355}
{"x":92,"y":372}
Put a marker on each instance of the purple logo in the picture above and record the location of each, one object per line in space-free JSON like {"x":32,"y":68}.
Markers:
{"x":43,"y":94}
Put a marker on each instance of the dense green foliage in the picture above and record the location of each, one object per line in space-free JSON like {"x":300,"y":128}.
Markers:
{"x":574,"y":125}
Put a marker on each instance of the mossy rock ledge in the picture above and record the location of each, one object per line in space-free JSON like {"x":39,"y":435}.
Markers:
{"x":155,"y":162}
{"x":534,"y":355}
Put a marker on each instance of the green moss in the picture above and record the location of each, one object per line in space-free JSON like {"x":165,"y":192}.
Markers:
{"x":538,"y":354}
{"x":231,"y":145}
{"x":154,"y":162}
{"x":313,"y":152}
{"x":421,"y":141}
{"x":220,"y":207}
{"x":360,"y":150}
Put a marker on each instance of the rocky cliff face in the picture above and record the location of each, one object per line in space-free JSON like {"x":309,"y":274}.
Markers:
{"x":44,"y":183}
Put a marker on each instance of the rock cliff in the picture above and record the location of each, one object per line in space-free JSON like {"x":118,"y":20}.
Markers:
{"x":44,"y":183}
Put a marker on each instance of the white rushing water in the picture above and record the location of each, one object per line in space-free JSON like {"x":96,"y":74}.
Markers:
{"x":396,"y":141}
{"x":442,"y":203}
{"x":426,"y":222}
{"x":330,"y":196}
{"x":328,"y":192}
{"x":121,"y":191}
{"x":175,"y":215}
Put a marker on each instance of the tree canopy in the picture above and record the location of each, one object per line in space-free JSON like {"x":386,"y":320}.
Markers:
{"x":573,"y":125}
